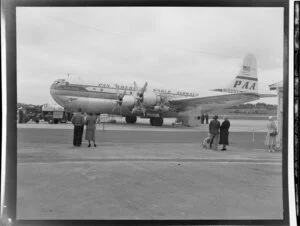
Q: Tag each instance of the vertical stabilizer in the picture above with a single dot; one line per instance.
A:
(246, 80)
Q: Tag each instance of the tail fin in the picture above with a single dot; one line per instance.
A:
(246, 80)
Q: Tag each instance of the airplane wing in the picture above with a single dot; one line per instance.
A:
(184, 103)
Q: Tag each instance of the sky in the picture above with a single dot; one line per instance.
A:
(192, 49)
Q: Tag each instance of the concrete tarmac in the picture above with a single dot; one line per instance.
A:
(237, 125)
(150, 173)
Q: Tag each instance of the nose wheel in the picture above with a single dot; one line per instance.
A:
(156, 121)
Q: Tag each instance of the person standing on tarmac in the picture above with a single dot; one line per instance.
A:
(78, 122)
(270, 140)
(90, 123)
(214, 127)
(206, 118)
(224, 133)
(202, 118)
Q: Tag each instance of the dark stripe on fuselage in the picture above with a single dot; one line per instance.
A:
(85, 93)
(248, 78)
(81, 91)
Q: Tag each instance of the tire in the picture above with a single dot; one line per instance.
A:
(63, 121)
(37, 121)
(151, 122)
(156, 121)
(50, 121)
(131, 119)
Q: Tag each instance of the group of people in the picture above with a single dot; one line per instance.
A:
(78, 120)
(218, 133)
(204, 117)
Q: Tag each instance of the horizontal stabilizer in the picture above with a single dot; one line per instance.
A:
(228, 90)
(266, 95)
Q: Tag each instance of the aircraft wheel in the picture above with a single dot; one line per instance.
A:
(131, 119)
(151, 122)
(160, 121)
(156, 121)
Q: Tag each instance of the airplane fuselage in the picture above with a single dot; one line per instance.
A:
(156, 104)
(102, 99)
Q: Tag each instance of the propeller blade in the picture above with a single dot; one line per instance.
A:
(135, 86)
(117, 105)
(113, 110)
(144, 88)
(117, 88)
(139, 97)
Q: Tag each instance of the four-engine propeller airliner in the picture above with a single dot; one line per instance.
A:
(156, 104)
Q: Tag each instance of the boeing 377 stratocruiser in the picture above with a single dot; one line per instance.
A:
(132, 101)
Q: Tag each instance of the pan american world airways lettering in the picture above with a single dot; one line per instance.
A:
(131, 88)
(244, 85)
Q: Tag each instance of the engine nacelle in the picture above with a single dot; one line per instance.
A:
(161, 108)
(137, 111)
(150, 99)
(128, 101)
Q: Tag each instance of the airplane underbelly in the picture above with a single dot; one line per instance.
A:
(87, 104)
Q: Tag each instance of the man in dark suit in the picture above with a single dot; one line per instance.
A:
(202, 118)
(214, 131)
(78, 122)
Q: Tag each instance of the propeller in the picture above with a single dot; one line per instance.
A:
(139, 97)
(161, 106)
(119, 101)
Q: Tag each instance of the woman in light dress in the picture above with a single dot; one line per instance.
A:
(90, 128)
(270, 141)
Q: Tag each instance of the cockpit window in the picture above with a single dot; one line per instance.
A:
(60, 83)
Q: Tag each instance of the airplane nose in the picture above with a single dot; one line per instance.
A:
(55, 95)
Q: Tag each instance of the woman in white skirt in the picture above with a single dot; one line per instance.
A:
(270, 141)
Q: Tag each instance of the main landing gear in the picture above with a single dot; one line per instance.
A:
(130, 119)
(153, 121)
(156, 121)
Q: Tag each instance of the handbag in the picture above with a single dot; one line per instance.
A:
(273, 134)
